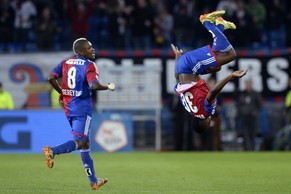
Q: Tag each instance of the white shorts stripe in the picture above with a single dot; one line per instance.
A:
(87, 125)
(204, 62)
(85, 150)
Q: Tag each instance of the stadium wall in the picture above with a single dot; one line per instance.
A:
(28, 131)
(270, 71)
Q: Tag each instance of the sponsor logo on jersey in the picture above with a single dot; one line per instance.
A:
(75, 62)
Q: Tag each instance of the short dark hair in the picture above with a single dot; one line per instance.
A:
(77, 44)
(200, 125)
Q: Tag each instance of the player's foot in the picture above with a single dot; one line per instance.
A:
(49, 156)
(211, 17)
(99, 183)
(226, 24)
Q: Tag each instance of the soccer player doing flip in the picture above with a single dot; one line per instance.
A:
(193, 91)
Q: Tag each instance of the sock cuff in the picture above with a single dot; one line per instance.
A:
(85, 150)
(227, 48)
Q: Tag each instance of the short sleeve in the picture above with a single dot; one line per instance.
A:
(210, 106)
(57, 71)
(92, 73)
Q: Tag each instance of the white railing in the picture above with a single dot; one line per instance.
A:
(138, 88)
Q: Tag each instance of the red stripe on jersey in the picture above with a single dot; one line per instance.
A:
(92, 73)
(213, 54)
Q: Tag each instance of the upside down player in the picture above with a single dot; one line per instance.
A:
(194, 93)
(79, 76)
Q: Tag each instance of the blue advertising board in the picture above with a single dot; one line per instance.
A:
(28, 131)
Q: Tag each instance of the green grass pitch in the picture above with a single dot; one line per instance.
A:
(151, 172)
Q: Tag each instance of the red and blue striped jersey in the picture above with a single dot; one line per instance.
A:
(193, 98)
(77, 75)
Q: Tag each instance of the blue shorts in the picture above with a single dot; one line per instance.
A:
(80, 127)
(198, 61)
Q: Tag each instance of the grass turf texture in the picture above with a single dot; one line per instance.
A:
(151, 172)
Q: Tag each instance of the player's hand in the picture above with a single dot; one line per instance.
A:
(178, 52)
(111, 86)
(239, 73)
(61, 101)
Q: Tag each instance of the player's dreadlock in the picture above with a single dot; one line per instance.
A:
(77, 44)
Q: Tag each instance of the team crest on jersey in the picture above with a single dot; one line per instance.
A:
(75, 62)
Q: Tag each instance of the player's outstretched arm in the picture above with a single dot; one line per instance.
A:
(218, 87)
(97, 86)
(178, 53)
(239, 73)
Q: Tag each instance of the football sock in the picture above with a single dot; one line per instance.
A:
(220, 42)
(67, 147)
(220, 27)
(88, 165)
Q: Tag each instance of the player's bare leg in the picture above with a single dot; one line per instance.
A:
(49, 156)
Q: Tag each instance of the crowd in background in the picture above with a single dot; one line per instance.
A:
(45, 25)
(52, 25)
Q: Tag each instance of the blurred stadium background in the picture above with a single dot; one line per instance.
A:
(132, 40)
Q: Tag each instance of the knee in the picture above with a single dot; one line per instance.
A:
(232, 54)
(82, 144)
(86, 145)
(226, 57)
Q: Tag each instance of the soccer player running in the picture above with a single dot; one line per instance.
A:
(79, 76)
(194, 93)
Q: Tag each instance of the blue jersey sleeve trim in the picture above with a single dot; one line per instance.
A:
(210, 107)
(54, 74)
(94, 82)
